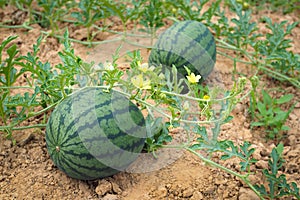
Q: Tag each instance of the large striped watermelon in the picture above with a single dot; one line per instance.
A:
(186, 43)
(94, 134)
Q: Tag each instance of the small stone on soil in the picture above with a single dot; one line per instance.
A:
(197, 196)
(187, 193)
(247, 194)
(103, 187)
(110, 197)
(261, 164)
(116, 188)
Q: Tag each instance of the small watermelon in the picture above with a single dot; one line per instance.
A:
(94, 134)
(186, 43)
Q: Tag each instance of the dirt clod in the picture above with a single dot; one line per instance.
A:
(197, 196)
(103, 187)
(261, 164)
(187, 193)
(246, 194)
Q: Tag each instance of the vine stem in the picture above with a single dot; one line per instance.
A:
(255, 62)
(212, 163)
(16, 87)
(291, 80)
(197, 99)
(2, 128)
(166, 115)
(154, 107)
(232, 58)
(24, 25)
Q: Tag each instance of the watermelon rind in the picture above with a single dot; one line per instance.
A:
(94, 134)
(186, 43)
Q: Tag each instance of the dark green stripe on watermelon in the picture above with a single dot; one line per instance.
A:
(93, 134)
(186, 43)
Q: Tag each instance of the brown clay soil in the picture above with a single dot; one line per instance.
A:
(26, 171)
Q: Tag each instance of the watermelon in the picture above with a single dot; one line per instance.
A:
(94, 134)
(186, 43)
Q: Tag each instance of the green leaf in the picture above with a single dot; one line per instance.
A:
(6, 42)
(262, 190)
(257, 124)
(276, 162)
(284, 99)
(278, 119)
(228, 119)
(278, 185)
(164, 138)
(196, 146)
(279, 149)
(201, 130)
(285, 128)
(262, 108)
(156, 126)
(12, 51)
(266, 98)
(78, 16)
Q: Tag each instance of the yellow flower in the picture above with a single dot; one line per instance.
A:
(139, 82)
(145, 67)
(192, 78)
(162, 95)
(246, 5)
(206, 97)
